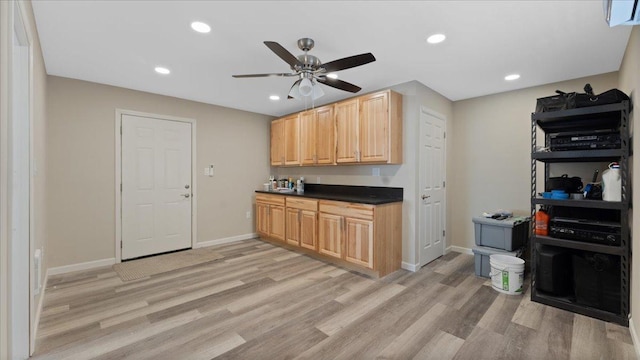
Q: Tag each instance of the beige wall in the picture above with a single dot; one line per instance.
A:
(39, 128)
(81, 158)
(405, 176)
(492, 156)
(630, 84)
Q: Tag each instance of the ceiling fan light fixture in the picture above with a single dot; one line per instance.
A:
(295, 91)
(274, 97)
(332, 76)
(317, 91)
(512, 77)
(305, 87)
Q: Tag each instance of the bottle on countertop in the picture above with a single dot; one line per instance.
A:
(290, 184)
(300, 185)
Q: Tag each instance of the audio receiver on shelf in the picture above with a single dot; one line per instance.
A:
(592, 231)
(585, 140)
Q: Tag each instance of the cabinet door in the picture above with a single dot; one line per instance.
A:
(262, 219)
(330, 234)
(277, 142)
(325, 136)
(346, 118)
(374, 128)
(308, 135)
(293, 226)
(308, 229)
(292, 140)
(276, 222)
(359, 242)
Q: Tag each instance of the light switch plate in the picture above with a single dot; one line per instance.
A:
(206, 171)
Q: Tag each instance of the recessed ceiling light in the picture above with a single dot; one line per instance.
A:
(436, 38)
(162, 70)
(200, 27)
(274, 97)
(512, 77)
(332, 76)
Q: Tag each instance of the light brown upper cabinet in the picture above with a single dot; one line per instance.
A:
(347, 120)
(380, 128)
(277, 142)
(285, 141)
(292, 140)
(317, 141)
(365, 129)
(369, 129)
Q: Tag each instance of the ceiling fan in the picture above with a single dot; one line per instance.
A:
(311, 70)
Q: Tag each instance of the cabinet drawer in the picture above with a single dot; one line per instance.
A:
(270, 199)
(360, 211)
(302, 204)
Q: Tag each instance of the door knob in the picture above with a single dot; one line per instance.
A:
(425, 196)
(186, 195)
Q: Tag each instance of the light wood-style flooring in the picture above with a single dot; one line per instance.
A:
(266, 302)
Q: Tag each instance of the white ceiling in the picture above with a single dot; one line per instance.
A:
(120, 42)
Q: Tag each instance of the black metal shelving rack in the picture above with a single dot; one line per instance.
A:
(595, 116)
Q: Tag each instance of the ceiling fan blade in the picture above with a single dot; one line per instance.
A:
(263, 75)
(284, 54)
(339, 84)
(349, 62)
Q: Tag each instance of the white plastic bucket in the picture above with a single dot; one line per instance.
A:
(507, 273)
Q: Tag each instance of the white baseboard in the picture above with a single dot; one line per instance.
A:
(410, 267)
(634, 337)
(36, 324)
(80, 266)
(459, 249)
(225, 240)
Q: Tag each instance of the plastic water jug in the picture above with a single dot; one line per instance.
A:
(611, 183)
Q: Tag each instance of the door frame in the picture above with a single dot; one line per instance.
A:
(427, 111)
(118, 173)
(16, 296)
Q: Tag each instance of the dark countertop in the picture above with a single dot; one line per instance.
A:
(372, 195)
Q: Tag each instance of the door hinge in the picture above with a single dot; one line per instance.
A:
(444, 184)
(120, 245)
(120, 129)
(444, 135)
(442, 233)
(120, 187)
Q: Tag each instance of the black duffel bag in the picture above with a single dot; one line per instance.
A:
(572, 100)
(564, 182)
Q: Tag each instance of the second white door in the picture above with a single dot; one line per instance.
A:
(156, 186)
(432, 187)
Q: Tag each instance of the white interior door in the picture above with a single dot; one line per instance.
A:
(432, 185)
(156, 186)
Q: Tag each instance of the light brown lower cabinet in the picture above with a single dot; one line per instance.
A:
(363, 237)
(270, 216)
(302, 222)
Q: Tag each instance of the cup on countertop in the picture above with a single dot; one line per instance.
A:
(266, 186)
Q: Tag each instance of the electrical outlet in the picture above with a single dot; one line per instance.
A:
(317, 179)
(249, 214)
(375, 171)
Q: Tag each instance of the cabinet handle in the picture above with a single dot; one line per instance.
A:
(299, 215)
